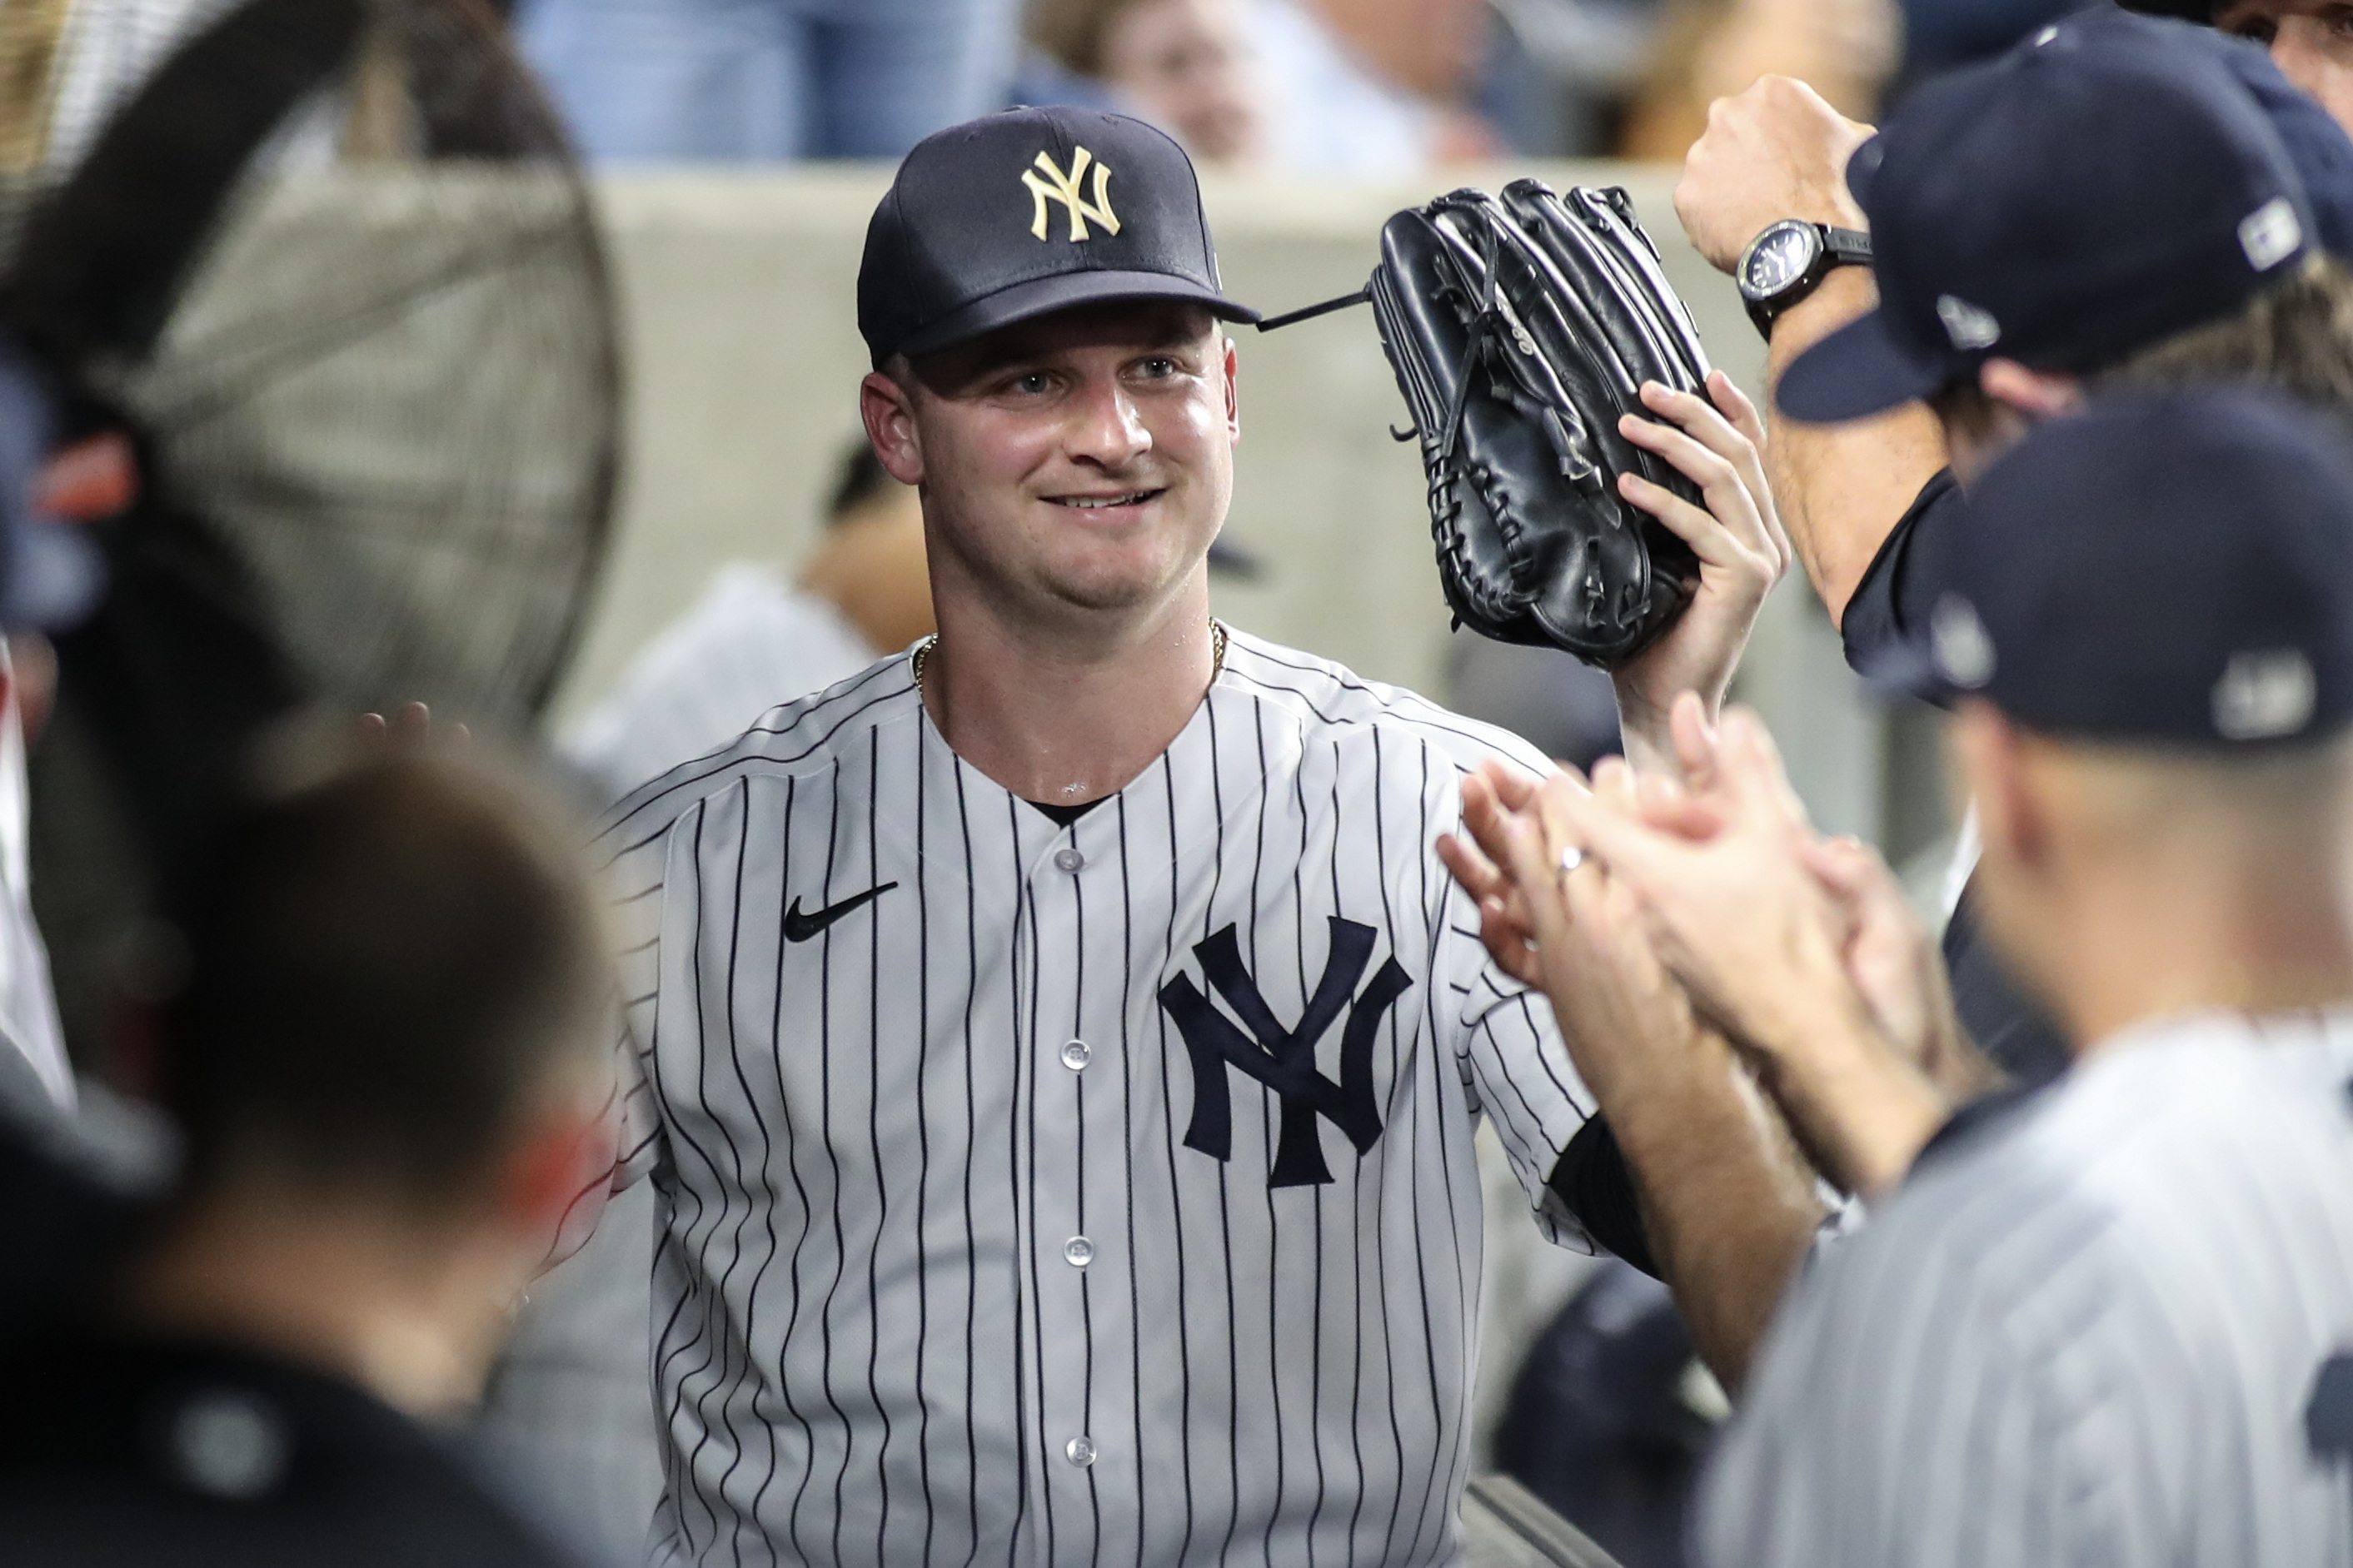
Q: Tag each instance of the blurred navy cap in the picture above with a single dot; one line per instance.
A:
(1020, 214)
(50, 574)
(2093, 192)
(2173, 570)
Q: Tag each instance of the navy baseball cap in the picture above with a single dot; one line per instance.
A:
(2091, 193)
(2172, 570)
(1021, 214)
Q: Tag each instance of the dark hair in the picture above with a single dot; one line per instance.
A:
(2294, 337)
(386, 964)
(861, 479)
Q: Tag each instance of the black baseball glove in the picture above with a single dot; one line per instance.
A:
(1520, 327)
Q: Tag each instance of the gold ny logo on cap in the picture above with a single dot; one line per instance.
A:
(1057, 186)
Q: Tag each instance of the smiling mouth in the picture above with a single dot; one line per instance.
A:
(1102, 503)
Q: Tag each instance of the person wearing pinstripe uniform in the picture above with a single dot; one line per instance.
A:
(1058, 1048)
(2113, 1323)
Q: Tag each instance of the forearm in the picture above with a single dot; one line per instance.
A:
(1644, 738)
(1862, 1112)
(1843, 488)
(1728, 1204)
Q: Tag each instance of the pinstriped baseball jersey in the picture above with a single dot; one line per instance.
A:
(2114, 1328)
(1087, 1193)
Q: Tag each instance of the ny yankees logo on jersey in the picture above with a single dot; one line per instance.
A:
(1284, 1059)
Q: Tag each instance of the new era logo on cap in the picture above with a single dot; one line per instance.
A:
(2271, 234)
(2264, 696)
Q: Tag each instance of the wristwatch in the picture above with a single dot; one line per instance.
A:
(1789, 260)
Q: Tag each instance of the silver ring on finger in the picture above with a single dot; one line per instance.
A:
(1571, 858)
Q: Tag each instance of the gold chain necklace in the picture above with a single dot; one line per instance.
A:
(1217, 652)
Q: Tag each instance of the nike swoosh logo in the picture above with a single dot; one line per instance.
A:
(799, 927)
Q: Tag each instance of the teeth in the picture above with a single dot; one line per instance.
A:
(1095, 503)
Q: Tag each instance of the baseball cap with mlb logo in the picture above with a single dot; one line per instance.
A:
(1019, 215)
(2171, 570)
(2096, 190)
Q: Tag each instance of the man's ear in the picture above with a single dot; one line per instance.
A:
(2039, 395)
(556, 1175)
(1989, 751)
(889, 413)
(1233, 391)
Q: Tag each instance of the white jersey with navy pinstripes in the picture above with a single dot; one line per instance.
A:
(1099, 1193)
(2115, 1329)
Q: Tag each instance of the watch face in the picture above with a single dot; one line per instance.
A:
(1778, 258)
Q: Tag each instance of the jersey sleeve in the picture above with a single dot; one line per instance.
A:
(1512, 1062)
(1900, 585)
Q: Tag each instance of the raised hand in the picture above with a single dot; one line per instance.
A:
(1716, 442)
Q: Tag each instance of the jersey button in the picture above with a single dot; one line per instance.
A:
(1077, 1252)
(1077, 1055)
(1080, 1451)
(1069, 859)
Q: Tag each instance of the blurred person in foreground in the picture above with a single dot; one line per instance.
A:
(1185, 66)
(756, 80)
(387, 1061)
(2118, 203)
(2110, 1323)
(755, 640)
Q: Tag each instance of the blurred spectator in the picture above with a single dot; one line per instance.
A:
(1187, 66)
(1559, 72)
(1373, 89)
(1845, 50)
(755, 640)
(390, 1060)
(683, 81)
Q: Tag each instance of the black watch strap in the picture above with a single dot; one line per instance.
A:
(1841, 248)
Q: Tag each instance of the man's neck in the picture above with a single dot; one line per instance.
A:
(2148, 953)
(412, 1322)
(1066, 719)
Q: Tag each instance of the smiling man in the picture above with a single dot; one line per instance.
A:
(1060, 1046)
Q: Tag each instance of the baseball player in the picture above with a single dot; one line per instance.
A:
(2113, 1321)
(1059, 1046)
(2030, 219)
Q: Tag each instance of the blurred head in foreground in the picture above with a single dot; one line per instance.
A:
(2148, 645)
(387, 1060)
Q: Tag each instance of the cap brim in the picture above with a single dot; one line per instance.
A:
(1044, 296)
(1906, 668)
(1856, 372)
(2198, 11)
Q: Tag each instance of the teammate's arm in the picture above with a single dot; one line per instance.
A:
(1777, 152)
(1727, 1206)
